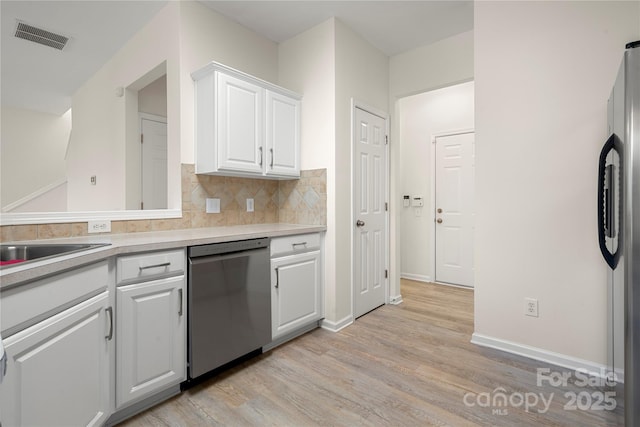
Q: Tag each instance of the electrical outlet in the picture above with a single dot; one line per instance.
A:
(99, 226)
(531, 307)
(249, 205)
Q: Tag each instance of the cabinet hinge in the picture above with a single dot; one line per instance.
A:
(141, 138)
(386, 274)
(141, 205)
(386, 206)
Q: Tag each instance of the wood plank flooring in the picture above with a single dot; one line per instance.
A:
(406, 365)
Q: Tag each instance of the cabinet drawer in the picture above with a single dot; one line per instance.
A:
(150, 265)
(28, 304)
(295, 244)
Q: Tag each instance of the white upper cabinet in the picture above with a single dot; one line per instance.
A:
(283, 135)
(240, 133)
(245, 126)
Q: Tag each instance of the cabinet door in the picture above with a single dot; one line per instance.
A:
(151, 338)
(240, 111)
(58, 369)
(283, 135)
(296, 293)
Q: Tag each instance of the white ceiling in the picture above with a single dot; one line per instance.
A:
(391, 26)
(41, 78)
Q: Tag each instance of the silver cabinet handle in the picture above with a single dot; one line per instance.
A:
(180, 296)
(271, 150)
(277, 277)
(164, 264)
(3, 362)
(109, 311)
(299, 244)
(260, 148)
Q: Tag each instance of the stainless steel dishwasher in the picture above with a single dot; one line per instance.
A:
(229, 298)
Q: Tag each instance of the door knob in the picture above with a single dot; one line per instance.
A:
(359, 223)
(439, 210)
(439, 220)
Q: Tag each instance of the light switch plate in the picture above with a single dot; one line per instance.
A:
(213, 205)
(249, 205)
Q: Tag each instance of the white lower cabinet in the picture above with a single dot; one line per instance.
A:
(151, 338)
(296, 292)
(58, 369)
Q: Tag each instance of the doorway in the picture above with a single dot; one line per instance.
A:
(369, 209)
(153, 138)
(422, 118)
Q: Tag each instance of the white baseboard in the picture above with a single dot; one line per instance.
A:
(336, 326)
(395, 300)
(570, 362)
(416, 277)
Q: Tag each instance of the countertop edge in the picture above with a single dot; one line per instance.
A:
(130, 243)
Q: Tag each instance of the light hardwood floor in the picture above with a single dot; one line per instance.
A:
(405, 365)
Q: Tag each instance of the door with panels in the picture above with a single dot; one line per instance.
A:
(369, 207)
(455, 212)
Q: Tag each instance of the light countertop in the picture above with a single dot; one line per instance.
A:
(120, 244)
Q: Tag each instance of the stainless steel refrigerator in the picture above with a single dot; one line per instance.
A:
(619, 228)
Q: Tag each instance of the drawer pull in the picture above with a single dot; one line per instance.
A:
(164, 264)
(277, 277)
(180, 295)
(299, 244)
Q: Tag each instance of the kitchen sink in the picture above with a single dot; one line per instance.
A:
(13, 254)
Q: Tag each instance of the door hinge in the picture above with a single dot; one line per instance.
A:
(141, 138)
(386, 206)
(141, 205)
(386, 274)
(386, 139)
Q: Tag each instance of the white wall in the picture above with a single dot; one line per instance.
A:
(362, 74)
(33, 151)
(152, 99)
(329, 65)
(99, 130)
(306, 65)
(425, 68)
(207, 36)
(543, 72)
(421, 117)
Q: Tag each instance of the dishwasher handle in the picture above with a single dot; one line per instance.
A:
(225, 256)
(228, 247)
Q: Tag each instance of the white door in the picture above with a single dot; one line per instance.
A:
(369, 209)
(151, 337)
(154, 164)
(283, 135)
(58, 369)
(240, 113)
(455, 214)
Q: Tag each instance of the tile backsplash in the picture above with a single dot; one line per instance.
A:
(297, 201)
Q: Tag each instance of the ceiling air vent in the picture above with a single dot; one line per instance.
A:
(38, 35)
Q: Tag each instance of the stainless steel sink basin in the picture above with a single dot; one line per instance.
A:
(14, 254)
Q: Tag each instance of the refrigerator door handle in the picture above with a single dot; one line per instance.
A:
(606, 198)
